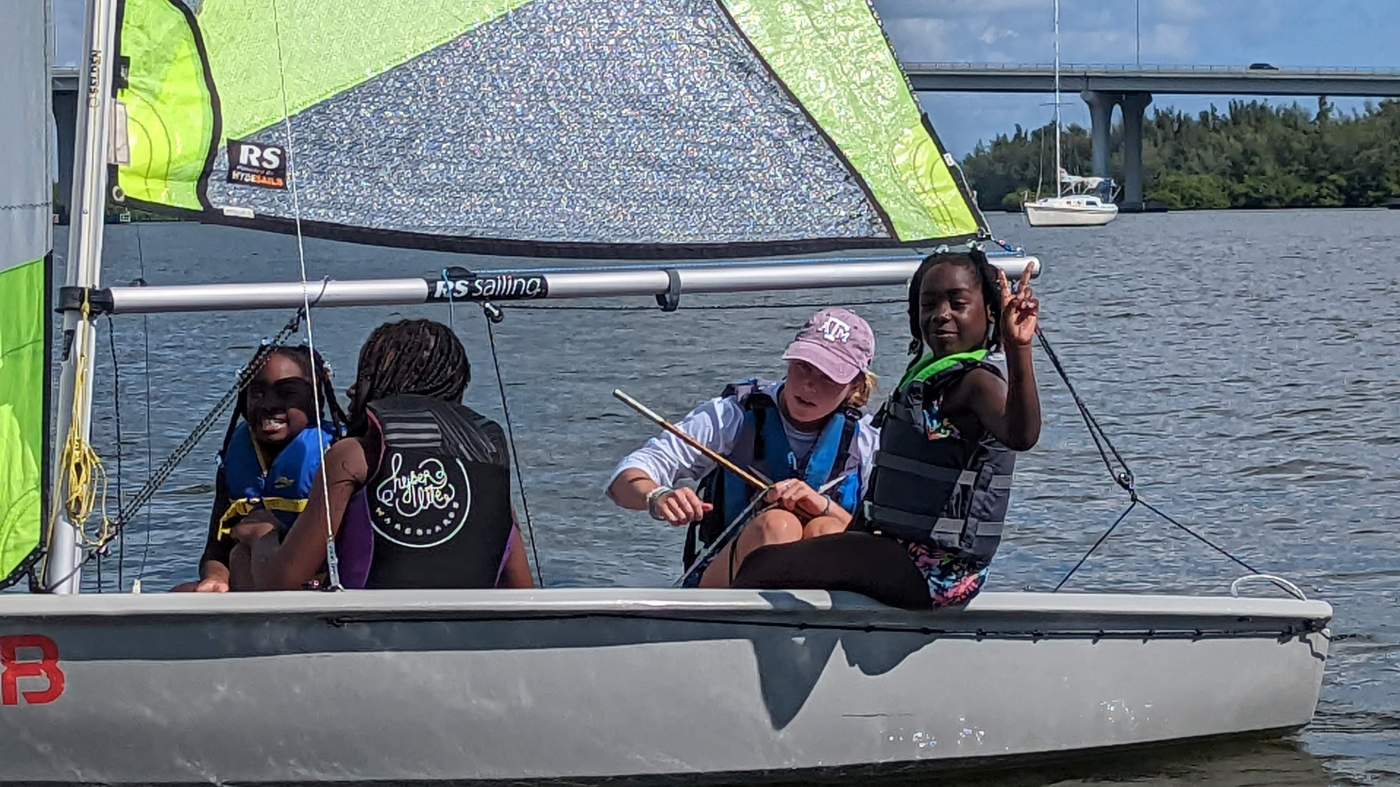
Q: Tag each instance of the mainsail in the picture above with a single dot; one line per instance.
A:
(601, 128)
(26, 226)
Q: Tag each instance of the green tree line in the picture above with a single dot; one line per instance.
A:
(1252, 156)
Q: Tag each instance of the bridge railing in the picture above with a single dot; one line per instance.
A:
(1153, 69)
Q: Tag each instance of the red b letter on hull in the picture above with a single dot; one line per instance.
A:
(16, 666)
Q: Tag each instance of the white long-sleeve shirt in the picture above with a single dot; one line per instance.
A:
(716, 423)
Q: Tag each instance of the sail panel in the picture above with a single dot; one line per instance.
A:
(603, 128)
(478, 161)
(170, 108)
(863, 101)
(26, 210)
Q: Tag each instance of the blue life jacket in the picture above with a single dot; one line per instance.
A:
(282, 488)
(763, 445)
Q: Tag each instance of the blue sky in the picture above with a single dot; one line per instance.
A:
(1173, 32)
(1217, 32)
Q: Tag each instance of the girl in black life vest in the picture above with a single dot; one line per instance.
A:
(417, 495)
(933, 513)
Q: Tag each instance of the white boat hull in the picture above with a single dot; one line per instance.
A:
(1053, 215)
(594, 684)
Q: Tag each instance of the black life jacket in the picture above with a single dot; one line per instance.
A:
(929, 484)
(762, 445)
(436, 511)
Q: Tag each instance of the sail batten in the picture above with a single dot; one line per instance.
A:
(584, 128)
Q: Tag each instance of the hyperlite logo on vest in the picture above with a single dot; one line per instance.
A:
(421, 503)
(255, 164)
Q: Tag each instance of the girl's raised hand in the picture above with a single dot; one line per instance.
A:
(1020, 310)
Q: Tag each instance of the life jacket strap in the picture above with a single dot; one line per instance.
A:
(237, 509)
(946, 530)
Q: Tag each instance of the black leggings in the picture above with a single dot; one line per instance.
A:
(864, 563)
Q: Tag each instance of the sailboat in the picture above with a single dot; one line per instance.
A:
(498, 126)
(1085, 203)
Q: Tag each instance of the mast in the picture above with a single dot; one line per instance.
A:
(84, 269)
(1058, 185)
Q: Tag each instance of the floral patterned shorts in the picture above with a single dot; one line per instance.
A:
(950, 580)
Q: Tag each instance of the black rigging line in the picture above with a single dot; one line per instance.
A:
(143, 496)
(117, 417)
(146, 374)
(1118, 469)
(492, 315)
(510, 435)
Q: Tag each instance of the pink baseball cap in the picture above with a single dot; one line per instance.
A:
(836, 341)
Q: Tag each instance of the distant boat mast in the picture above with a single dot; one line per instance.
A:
(1058, 185)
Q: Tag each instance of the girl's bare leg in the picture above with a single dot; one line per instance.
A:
(774, 526)
(240, 568)
(823, 526)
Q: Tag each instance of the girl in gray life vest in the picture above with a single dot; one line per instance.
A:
(933, 512)
(417, 495)
(804, 433)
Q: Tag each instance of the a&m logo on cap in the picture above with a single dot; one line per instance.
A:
(834, 330)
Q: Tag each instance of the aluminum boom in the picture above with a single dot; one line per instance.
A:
(660, 280)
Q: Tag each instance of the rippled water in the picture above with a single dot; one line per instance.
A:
(1243, 362)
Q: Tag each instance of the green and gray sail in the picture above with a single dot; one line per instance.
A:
(26, 226)
(576, 127)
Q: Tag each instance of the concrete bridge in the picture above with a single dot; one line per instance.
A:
(1131, 87)
(1102, 87)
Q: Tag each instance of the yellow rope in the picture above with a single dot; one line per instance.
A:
(79, 466)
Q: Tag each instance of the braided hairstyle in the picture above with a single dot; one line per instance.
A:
(986, 273)
(313, 367)
(419, 357)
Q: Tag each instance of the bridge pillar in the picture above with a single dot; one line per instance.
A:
(1101, 123)
(1134, 106)
(65, 118)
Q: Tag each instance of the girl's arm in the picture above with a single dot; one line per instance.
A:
(1009, 411)
(294, 562)
(213, 563)
(516, 572)
(665, 460)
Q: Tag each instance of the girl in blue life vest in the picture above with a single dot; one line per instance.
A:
(805, 433)
(272, 452)
(934, 509)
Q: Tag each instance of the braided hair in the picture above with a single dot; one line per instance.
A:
(986, 273)
(312, 366)
(420, 357)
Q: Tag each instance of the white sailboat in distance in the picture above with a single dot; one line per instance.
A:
(1078, 207)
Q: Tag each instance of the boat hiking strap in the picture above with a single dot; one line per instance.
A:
(86, 475)
(1118, 469)
(493, 316)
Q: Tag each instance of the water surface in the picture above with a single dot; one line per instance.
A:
(1243, 362)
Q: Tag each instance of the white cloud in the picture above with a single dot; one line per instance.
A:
(1180, 10)
(1169, 42)
(924, 38)
(993, 34)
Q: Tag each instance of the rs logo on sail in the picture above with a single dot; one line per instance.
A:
(31, 658)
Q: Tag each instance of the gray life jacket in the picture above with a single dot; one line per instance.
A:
(929, 484)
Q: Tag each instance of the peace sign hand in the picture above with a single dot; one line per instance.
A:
(1020, 310)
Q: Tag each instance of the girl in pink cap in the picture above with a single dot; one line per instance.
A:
(805, 433)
